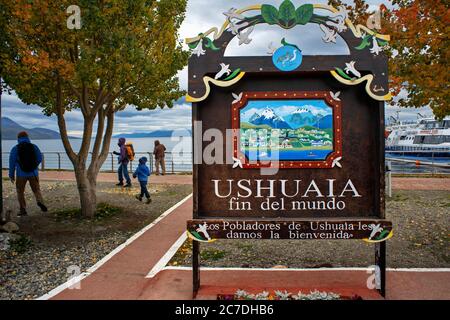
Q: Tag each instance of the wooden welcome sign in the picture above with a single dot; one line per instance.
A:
(301, 152)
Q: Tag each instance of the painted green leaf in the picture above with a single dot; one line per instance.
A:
(287, 12)
(382, 43)
(210, 44)
(304, 14)
(343, 74)
(364, 43)
(382, 234)
(269, 14)
(193, 45)
(233, 75)
(197, 235)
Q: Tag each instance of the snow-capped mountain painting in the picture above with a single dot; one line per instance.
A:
(296, 129)
(268, 117)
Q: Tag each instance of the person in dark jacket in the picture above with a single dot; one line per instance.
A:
(123, 164)
(20, 174)
(142, 173)
(159, 153)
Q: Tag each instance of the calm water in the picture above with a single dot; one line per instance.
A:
(180, 160)
(180, 148)
(287, 155)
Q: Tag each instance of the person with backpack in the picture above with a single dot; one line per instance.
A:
(142, 173)
(159, 151)
(123, 163)
(24, 160)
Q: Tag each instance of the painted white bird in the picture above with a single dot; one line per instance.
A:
(237, 97)
(336, 162)
(235, 28)
(335, 96)
(350, 67)
(375, 229)
(237, 163)
(329, 34)
(232, 14)
(224, 69)
(243, 36)
(203, 228)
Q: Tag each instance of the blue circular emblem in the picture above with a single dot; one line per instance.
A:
(287, 58)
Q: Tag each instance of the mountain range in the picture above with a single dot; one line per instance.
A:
(10, 129)
(297, 119)
(153, 134)
(269, 117)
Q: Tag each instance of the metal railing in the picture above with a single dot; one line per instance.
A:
(175, 162)
(419, 161)
(182, 162)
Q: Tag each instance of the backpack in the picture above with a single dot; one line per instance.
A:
(130, 151)
(26, 157)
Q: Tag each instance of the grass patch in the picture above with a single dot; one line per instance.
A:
(213, 255)
(104, 211)
(398, 197)
(21, 244)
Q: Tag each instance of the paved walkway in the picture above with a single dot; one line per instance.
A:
(397, 182)
(123, 273)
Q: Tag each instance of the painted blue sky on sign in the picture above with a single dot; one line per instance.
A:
(285, 108)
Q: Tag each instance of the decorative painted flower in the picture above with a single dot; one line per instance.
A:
(199, 49)
(376, 49)
(282, 295)
(329, 34)
(350, 67)
(224, 69)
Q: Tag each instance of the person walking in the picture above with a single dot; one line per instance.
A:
(159, 153)
(123, 163)
(142, 173)
(24, 160)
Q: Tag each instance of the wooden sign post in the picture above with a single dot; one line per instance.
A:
(288, 146)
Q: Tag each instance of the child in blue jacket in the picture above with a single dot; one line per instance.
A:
(142, 173)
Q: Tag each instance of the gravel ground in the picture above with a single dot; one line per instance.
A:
(54, 244)
(421, 239)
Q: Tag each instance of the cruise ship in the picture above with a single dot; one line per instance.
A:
(427, 139)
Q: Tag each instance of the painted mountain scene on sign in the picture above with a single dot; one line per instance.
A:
(286, 130)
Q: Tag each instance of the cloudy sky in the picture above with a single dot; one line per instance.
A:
(200, 16)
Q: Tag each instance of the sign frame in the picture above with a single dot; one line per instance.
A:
(372, 70)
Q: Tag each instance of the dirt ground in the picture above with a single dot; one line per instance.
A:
(421, 239)
(52, 242)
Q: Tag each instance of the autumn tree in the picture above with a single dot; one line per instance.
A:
(126, 52)
(419, 53)
(418, 50)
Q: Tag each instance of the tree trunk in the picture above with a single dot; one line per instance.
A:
(87, 177)
(87, 191)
